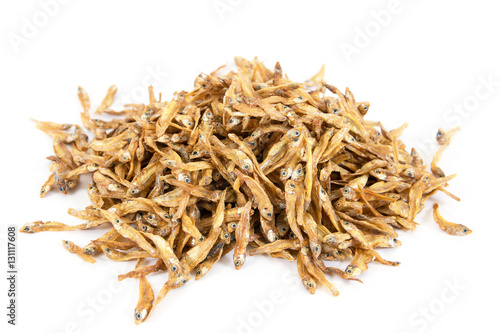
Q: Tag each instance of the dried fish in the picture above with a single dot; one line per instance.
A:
(247, 158)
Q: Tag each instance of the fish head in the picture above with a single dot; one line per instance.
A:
(90, 249)
(247, 165)
(316, 249)
(353, 271)
(31, 227)
(238, 260)
(379, 173)
(200, 272)
(461, 230)
(309, 283)
(225, 237)
(267, 212)
(72, 183)
(285, 173)
(339, 255)
(347, 192)
(272, 236)
(298, 172)
(293, 134)
(282, 229)
(140, 315)
(393, 242)
(125, 157)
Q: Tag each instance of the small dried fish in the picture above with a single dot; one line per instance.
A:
(247, 158)
(450, 228)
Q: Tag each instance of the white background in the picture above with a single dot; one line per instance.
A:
(424, 59)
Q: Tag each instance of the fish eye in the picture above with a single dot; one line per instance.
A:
(26, 228)
(42, 190)
(203, 85)
(292, 235)
(246, 166)
(323, 191)
(308, 247)
(301, 98)
(309, 285)
(184, 281)
(117, 221)
(237, 262)
(133, 191)
(283, 173)
(346, 223)
(198, 272)
(346, 190)
(259, 87)
(61, 189)
(174, 268)
(166, 216)
(144, 228)
(108, 250)
(465, 231)
(394, 240)
(187, 180)
(66, 242)
(195, 152)
(348, 271)
(269, 214)
(316, 248)
(231, 121)
(150, 217)
(138, 316)
(335, 111)
(326, 254)
(171, 216)
(118, 187)
(296, 133)
(283, 229)
(299, 171)
(292, 185)
(226, 236)
(377, 171)
(275, 238)
(234, 225)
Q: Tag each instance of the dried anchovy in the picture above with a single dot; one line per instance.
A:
(247, 158)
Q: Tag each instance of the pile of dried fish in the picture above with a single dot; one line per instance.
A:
(249, 158)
